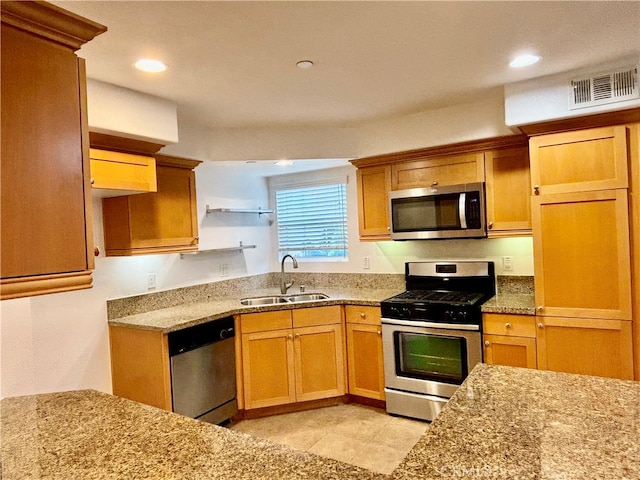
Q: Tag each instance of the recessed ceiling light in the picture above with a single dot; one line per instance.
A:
(284, 163)
(304, 64)
(152, 66)
(524, 60)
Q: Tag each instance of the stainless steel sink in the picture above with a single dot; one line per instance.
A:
(307, 297)
(263, 300)
(273, 299)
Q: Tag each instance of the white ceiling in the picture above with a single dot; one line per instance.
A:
(233, 63)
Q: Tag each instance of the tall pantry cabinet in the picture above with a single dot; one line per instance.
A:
(582, 261)
(45, 191)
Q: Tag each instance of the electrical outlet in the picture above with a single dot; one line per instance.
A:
(507, 264)
(366, 263)
(151, 281)
(224, 270)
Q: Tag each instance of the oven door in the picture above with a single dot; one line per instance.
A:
(422, 358)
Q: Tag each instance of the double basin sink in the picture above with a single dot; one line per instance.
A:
(277, 299)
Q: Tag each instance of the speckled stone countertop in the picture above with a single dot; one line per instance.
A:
(188, 314)
(503, 423)
(515, 296)
(510, 303)
(87, 435)
(515, 423)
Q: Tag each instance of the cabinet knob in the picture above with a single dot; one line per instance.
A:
(540, 308)
(487, 343)
(536, 189)
(363, 315)
(93, 181)
(96, 251)
(541, 325)
(490, 225)
(434, 183)
(507, 325)
(297, 335)
(290, 336)
(379, 332)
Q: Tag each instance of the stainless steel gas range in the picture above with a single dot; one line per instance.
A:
(432, 334)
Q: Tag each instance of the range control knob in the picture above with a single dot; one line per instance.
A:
(394, 311)
(226, 333)
(406, 312)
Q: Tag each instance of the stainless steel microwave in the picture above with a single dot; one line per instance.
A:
(452, 211)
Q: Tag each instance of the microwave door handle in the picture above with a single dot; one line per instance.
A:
(462, 210)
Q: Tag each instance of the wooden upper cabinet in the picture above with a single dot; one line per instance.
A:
(582, 255)
(508, 192)
(161, 222)
(452, 170)
(117, 173)
(46, 224)
(373, 184)
(594, 159)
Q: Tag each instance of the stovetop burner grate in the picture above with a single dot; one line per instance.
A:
(440, 296)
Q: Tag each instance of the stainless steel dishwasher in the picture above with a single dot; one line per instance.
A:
(203, 371)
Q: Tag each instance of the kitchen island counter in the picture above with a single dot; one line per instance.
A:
(516, 423)
(90, 435)
(502, 423)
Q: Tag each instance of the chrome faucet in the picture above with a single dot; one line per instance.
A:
(283, 285)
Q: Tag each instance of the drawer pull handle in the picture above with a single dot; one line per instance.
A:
(363, 315)
(434, 183)
(507, 325)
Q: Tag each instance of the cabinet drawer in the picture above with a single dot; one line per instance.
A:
(362, 314)
(452, 170)
(265, 321)
(307, 317)
(509, 325)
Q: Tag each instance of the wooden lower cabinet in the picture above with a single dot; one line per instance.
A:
(300, 363)
(585, 346)
(509, 340)
(574, 345)
(364, 352)
(510, 351)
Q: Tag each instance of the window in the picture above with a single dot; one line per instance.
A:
(312, 221)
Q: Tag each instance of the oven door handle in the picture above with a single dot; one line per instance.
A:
(411, 323)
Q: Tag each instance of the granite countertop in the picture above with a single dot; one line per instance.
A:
(515, 423)
(518, 304)
(88, 435)
(502, 423)
(189, 314)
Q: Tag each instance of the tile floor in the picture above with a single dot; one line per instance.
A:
(355, 434)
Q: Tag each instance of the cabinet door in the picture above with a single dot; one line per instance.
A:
(46, 208)
(268, 367)
(508, 192)
(319, 367)
(509, 350)
(365, 360)
(451, 170)
(585, 346)
(581, 255)
(122, 173)
(373, 185)
(594, 159)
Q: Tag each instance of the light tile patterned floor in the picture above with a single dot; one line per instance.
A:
(355, 434)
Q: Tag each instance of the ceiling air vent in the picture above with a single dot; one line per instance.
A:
(604, 88)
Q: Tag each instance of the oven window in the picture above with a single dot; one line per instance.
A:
(431, 357)
(437, 212)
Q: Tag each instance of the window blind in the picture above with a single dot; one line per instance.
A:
(312, 221)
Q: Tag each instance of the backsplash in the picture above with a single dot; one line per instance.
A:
(515, 285)
(122, 307)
